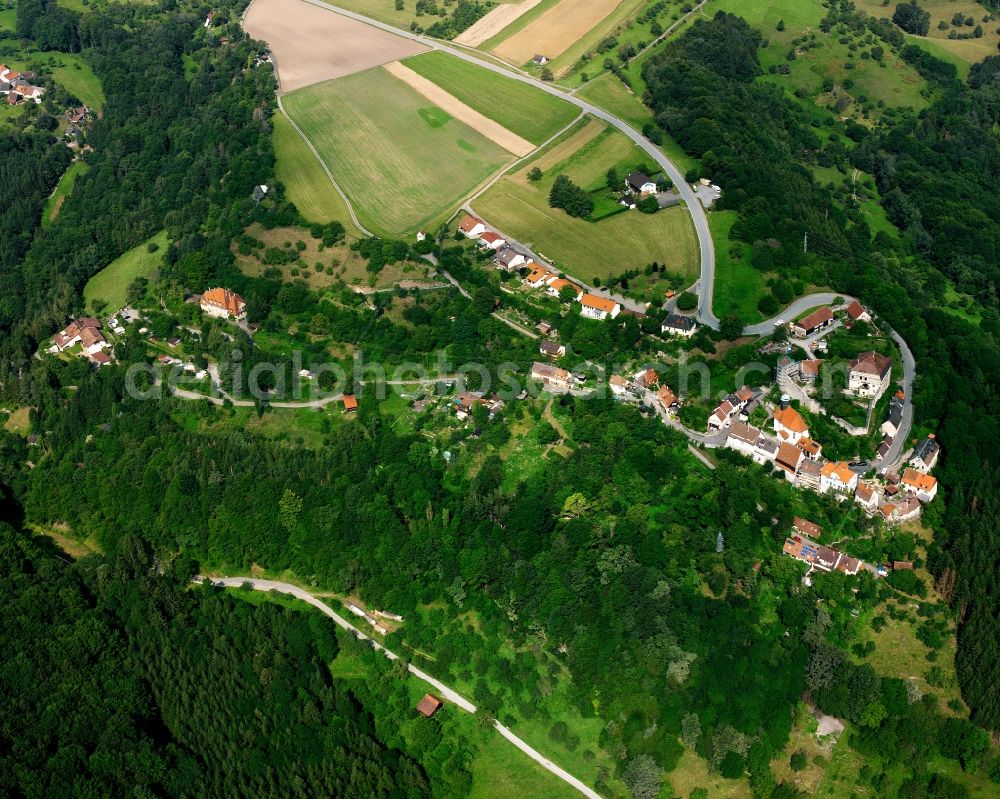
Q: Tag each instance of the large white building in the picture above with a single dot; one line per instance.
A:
(869, 375)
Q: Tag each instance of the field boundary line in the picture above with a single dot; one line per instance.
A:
(333, 181)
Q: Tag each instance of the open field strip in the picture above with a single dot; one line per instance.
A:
(556, 30)
(492, 130)
(403, 163)
(589, 250)
(111, 283)
(63, 189)
(610, 25)
(311, 45)
(522, 109)
(494, 22)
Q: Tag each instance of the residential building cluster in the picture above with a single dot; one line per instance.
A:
(17, 86)
(85, 332)
(801, 545)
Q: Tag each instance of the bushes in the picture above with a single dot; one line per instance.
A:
(571, 198)
(912, 18)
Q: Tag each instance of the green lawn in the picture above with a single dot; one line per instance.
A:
(306, 183)
(111, 282)
(528, 112)
(8, 19)
(627, 240)
(404, 164)
(738, 286)
(63, 190)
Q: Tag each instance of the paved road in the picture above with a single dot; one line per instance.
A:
(447, 693)
(698, 216)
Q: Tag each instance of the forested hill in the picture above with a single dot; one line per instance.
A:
(938, 174)
(124, 683)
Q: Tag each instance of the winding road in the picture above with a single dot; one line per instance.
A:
(443, 690)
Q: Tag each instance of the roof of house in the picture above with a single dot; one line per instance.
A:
(637, 179)
(883, 448)
(429, 705)
(811, 469)
(838, 470)
(809, 446)
(538, 273)
(508, 256)
(100, 357)
(744, 394)
(873, 363)
(224, 298)
(470, 222)
(491, 238)
(724, 410)
(666, 395)
(547, 370)
(895, 415)
(855, 310)
(350, 402)
(818, 317)
(745, 433)
(598, 303)
(926, 449)
(550, 347)
(865, 492)
(790, 419)
(89, 336)
(619, 381)
(810, 367)
(807, 527)
(788, 456)
(649, 377)
(678, 322)
(919, 480)
(559, 284)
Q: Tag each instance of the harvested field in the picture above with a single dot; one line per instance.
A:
(494, 22)
(493, 131)
(555, 30)
(312, 45)
(404, 163)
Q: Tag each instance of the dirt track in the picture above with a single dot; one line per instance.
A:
(313, 45)
(494, 22)
(493, 131)
(555, 30)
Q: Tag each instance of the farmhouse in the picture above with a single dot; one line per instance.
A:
(492, 241)
(817, 320)
(594, 307)
(677, 325)
(551, 349)
(73, 333)
(472, 227)
(925, 455)
(552, 377)
(508, 258)
(640, 182)
(869, 375)
(922, 485)
(837, 476)
(856, 311)
(788, 422)
(556, 286)
(223, 303)
(722, 416)
(666, 397)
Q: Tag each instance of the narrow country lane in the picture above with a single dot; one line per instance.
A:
(447, 693)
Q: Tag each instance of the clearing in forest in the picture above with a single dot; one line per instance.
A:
(311, 44)
(555, 30)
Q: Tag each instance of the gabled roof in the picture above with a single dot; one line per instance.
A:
(224, 298)
(807, 527)
(678, 322)
(838, 470)
(788, 456)
(927, 449)
(790, 419)
(809, 446)
(666, 395)
(469, 223)
(855, 310)
(810, 367)
(745, 433)
(919, 480)
(598, 303)
(637, 179)
(865, 492)
(491, 238)
(872, 363)
(818, 317)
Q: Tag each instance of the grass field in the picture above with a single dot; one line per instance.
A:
(306, 183)
(520, 108)
(738, 286)
(8, 19)
(69, 70)
(589, 249)
(63, 190)
(969, 50)
(111, 283)
(894, 84)
(403, 164)
(18, 421)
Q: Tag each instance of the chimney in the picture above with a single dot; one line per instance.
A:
(785, 399)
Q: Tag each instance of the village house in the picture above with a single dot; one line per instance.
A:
(894, 416)
(647, 378)
(223, 303)
(551, 349)
(869, 375)
(722, 416)
(666, 397)
(788, 459)
(857, 313)
(807, 528)
(73, 334)
(808, 325)
(538, 276)
(837, 476)
(786, 368)
(99, 358)
(904, 510)
(91, 341)
(867, 496)
(492, 241)
(508, 258)
(789, 425)
(350, 403)
(925, 454)
(552, 377)
(640, 182)
(600, 308)
(429, 705)
(472, 227)
(743, 438)
(883, 448)
(810, 447)
(810, 476)
(621, 386)
(809, 370)
(556, 286)
(677, 325)
(922, 485)
(767, 448)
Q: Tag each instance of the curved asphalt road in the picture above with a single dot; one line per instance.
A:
(450, 695)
